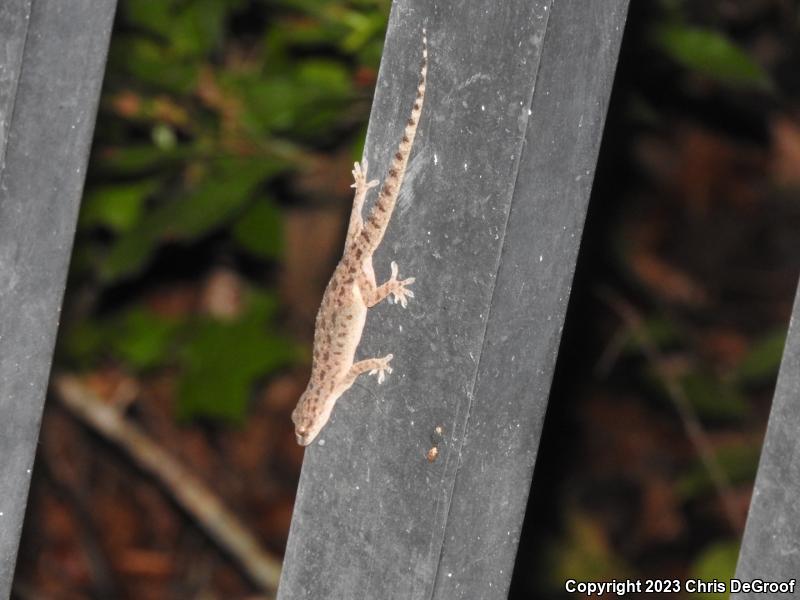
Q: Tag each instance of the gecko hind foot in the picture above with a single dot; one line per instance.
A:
(399, 292)
(382, 367)
(360, 177)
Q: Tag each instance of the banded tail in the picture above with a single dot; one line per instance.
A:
(375, 225)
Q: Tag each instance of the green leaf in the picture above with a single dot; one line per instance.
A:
(198, 28)
(138, 337)
(117, 207)
(324, 76)
(154, 16)
(129, 254)
(211, 203)
(306, 101)
(712, 398)
(365, 27)
(221, 361)
(661, 331)
(136, 159)
(141, 338)
(583, 553)
(82, 344)
(739, 463)
(271, 104)
(762, 362)
(153, 63)
(711, 54)
(260, 231)
(716, 562)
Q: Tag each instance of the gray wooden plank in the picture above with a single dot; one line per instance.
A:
(370, 511)
(489, 222)
(49, 131)
(771, 544)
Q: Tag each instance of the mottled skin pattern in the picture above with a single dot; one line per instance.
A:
(353, 289)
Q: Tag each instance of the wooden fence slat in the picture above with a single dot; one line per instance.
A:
(489, 223)
(771, 544)
(52, 60)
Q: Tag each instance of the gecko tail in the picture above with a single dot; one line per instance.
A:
(375, 225)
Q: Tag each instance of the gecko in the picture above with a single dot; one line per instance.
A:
(353, 289)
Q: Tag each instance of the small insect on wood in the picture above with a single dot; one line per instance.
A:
(432, 454)
(353, 289)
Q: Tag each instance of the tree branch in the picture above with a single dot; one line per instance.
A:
(186, 489)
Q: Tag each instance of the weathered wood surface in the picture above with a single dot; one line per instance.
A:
(52, 57)
(489, 222)
(771, 545)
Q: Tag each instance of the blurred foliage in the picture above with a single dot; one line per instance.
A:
(583, 554)
(713, 399)
(739, 464)
(710, 54)
(717, 562)
(220, 360)
(763, 359)
(698, 67)
(209, 108)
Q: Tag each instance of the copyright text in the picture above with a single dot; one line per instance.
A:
(622, 587)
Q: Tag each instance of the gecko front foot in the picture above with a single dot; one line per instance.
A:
(397, 288)
(381, 367)
(360, 176)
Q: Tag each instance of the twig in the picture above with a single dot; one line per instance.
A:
(691, 422)
(186, 489)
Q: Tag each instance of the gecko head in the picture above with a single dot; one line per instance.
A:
(307, 422)
(304, 435)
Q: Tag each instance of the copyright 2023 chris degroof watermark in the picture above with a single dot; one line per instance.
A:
(623, 587)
